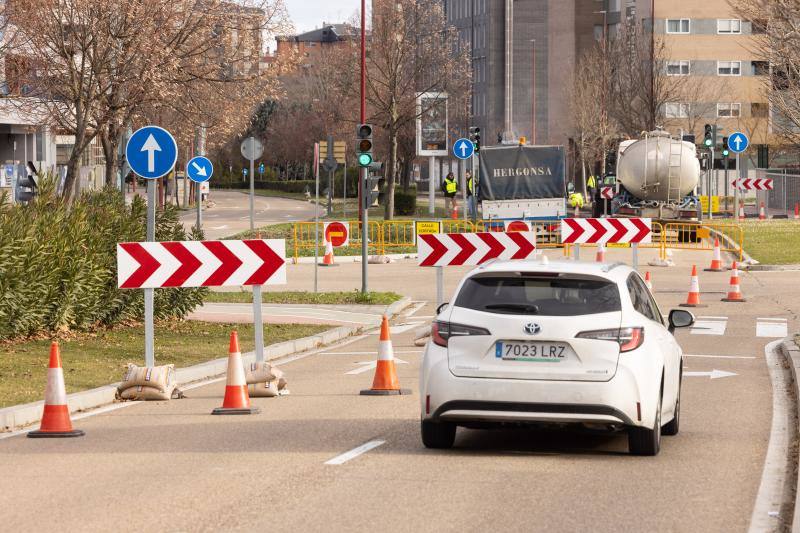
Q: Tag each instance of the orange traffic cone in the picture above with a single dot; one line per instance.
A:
(797, 211)
(716, 262)
(741, 210)
(385, 381)
(734, 293)
(327, 259)
(454, 212)
(694, 291)
(600, 257)
(237, 401)
(761, 214)
(647, 281)
(55, 419)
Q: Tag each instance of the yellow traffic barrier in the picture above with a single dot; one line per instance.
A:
(700, 236)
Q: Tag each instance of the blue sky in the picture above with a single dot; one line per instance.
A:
(309, 14)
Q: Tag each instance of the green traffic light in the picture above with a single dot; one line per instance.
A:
(364, 160)
(708, 142)
(725, 153)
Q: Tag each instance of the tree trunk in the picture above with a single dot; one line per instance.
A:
(391, 174)
(108, 140)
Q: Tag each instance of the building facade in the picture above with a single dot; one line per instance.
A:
(308, 45)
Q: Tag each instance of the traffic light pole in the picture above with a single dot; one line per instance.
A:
(708, 181)
(364, 228)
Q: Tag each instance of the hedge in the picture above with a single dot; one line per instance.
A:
(58, 263)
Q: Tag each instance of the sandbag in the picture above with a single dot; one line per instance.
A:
(263, 390)
(261, 373)
(140, 392)
(158, 377)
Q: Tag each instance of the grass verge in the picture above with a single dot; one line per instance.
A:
(297, 297)
(93, 360)
(772, 242)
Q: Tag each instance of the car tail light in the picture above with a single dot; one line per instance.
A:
(628, 338)
(441, 332)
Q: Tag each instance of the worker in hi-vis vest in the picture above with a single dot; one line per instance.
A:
(472, 197)
(450, 189)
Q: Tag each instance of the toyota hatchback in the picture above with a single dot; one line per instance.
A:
(531, 342)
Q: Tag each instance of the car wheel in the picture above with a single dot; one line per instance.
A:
(671, 428)
(644, 441)
(438, 434)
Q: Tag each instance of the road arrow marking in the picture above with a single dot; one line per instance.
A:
(369, 365)
(151, 147)
(201, 171)
(714, 374)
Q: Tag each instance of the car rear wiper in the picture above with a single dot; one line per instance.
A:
(528, 308)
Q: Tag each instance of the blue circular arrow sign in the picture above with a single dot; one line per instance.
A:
(199, 169)
(738, 142)
(463, 148)
(151, 152)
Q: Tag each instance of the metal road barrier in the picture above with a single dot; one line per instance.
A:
(397, 236)
(700, 236)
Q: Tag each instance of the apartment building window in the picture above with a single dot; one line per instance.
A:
(729, 110)
(760, 68)
(676, 110)
(729, 26)
(678, 68)
(729, 68)
(598, 32)
(677, 25)
(759, 110)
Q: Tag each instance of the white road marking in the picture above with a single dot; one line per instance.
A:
(709, 327)
(714, 374)
(355, 452)
(772, 327)
(370, 353)
(399, 329)
(417, 306)
(369, 365)
(722, 356)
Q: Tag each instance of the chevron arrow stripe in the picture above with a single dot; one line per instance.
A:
(754, 184)
(454, 249)
(201, 263)
(605, 230)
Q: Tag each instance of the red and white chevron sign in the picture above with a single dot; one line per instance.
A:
(605, 230)
(607, 193)
(453, 249)
(753, 184)
(146, 265)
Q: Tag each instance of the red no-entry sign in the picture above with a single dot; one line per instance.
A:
(517, 225)
(337, 233)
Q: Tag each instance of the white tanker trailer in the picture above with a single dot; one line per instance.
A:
(658, 175)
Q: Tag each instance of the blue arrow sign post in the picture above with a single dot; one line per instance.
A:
(151, 153)
(199, 169)
(463, 149)
(738, 143)
(261, 171)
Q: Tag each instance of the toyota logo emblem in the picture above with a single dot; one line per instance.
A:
(532, 328)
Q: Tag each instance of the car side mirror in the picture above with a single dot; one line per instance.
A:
(680, 318)
(442, 308)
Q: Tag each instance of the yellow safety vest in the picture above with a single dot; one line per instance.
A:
(469, 186)
(591, 183)
(450, 185)
(576, 199)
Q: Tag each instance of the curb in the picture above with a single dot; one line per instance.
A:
(349, 258)
(791, 351)
(772, 268)
(18, 416)
(747, 262)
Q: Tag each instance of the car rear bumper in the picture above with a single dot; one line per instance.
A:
(628, 398)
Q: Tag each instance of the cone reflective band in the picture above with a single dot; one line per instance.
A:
(761, 214)
(327, 259)
(716, 262)
(237, 400)
(600, 257)
(56, 422)
(693, 299)
(385, 381)
(734, 292)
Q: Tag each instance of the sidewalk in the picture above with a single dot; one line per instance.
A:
(339, 315)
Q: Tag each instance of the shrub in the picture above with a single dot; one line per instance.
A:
(405, 203)
(58, 263)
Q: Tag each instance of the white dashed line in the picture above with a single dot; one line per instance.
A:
(355, 452)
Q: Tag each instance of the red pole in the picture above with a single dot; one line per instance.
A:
(363, 91)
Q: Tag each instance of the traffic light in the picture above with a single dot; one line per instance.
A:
(475, 137)
(364, 145)
(25, 189)
(374, 178)
(708, 136)
(725, 151)
(611, 163)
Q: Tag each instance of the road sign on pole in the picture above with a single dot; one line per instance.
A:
(252, 149)
(199, 169)
(151, 152)
(738, 142)
(456, 249)
(605, 230)
(463, 148)
(337, 233)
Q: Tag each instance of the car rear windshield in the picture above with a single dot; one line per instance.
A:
(549, 296)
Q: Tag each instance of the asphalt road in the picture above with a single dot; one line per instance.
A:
(231, 213)
(175, 467)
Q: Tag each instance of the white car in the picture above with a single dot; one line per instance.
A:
(563, 342)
